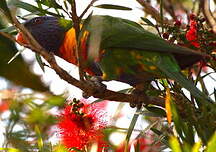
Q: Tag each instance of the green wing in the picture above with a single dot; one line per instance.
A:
(122, 33)
(117, 33)
(168, 67)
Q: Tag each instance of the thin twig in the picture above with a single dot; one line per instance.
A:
(76, 22)
(169, 7)
(153, 12)
(87, 8)
(208, 15)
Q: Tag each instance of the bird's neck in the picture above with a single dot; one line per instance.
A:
(68, 48)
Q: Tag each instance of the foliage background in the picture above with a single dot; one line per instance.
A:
(34, 110)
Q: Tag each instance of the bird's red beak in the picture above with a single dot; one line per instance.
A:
(20, 38)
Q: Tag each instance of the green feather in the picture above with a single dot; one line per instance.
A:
(66, 24)
(122, 33)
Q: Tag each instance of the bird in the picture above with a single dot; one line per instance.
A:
(17, 72)
(116, 49)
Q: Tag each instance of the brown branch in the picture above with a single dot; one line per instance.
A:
(153, 12)
(208, 15)
(83, 85)
(76, 22)
(169, 8)
(87, 8)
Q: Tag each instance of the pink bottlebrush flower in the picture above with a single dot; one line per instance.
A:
(81, 125)
(142, 144)
(145, 144)
(192, 35)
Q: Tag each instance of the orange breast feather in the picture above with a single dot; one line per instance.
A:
(68, 49)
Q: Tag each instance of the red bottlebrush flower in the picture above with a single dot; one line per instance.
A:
(166, 36)
(81, 125)
(191, 34)
(4, 105)
(192, 16)
(177, 23)
(145, 144)
(121, 147)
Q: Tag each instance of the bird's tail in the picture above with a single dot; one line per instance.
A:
(177, 76)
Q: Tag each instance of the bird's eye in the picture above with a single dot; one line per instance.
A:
(37, 21)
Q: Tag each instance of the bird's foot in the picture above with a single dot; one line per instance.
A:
(97, 86)
(138, 103)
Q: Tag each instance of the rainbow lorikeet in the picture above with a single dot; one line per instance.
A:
(124, 50)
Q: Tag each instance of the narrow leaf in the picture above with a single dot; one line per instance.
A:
(116, 7)
(211, 146)
(147, 21)
(8, 29)
(215, 94)
(174, 144)
(32, 8)
(14, 57)
(40, 62)
(39, 140)
(50, 3)
(156, 111)
(10, 149)
(131, 127)
(167, 106)
(5, 10)
(161, 14)
(196, 146)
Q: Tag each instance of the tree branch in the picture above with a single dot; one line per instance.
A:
(76, 22)
(208, 15)
(87, 8)
(153, 12)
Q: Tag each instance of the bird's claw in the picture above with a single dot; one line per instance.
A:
(137, 103)
(97, 86)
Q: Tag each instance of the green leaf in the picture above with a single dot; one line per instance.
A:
(131, 127)
(158, 111)
(211, 146)
(8, 29)
(151, 125)
(147, 21)
(196, 146)
(56, 100)
(215, 94)
(5, 10)
(10, 149)
(70, 1)
(164, 138)
(40, 62)
(161, 14)
(49, 3)
(174, 144)
(15, 56)
(26, 6)
(156, 131)
(184, 130)
(60, 148)
(75, 149)
(116, 7)
(39, 140)
(32, 8)
(177, 121)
